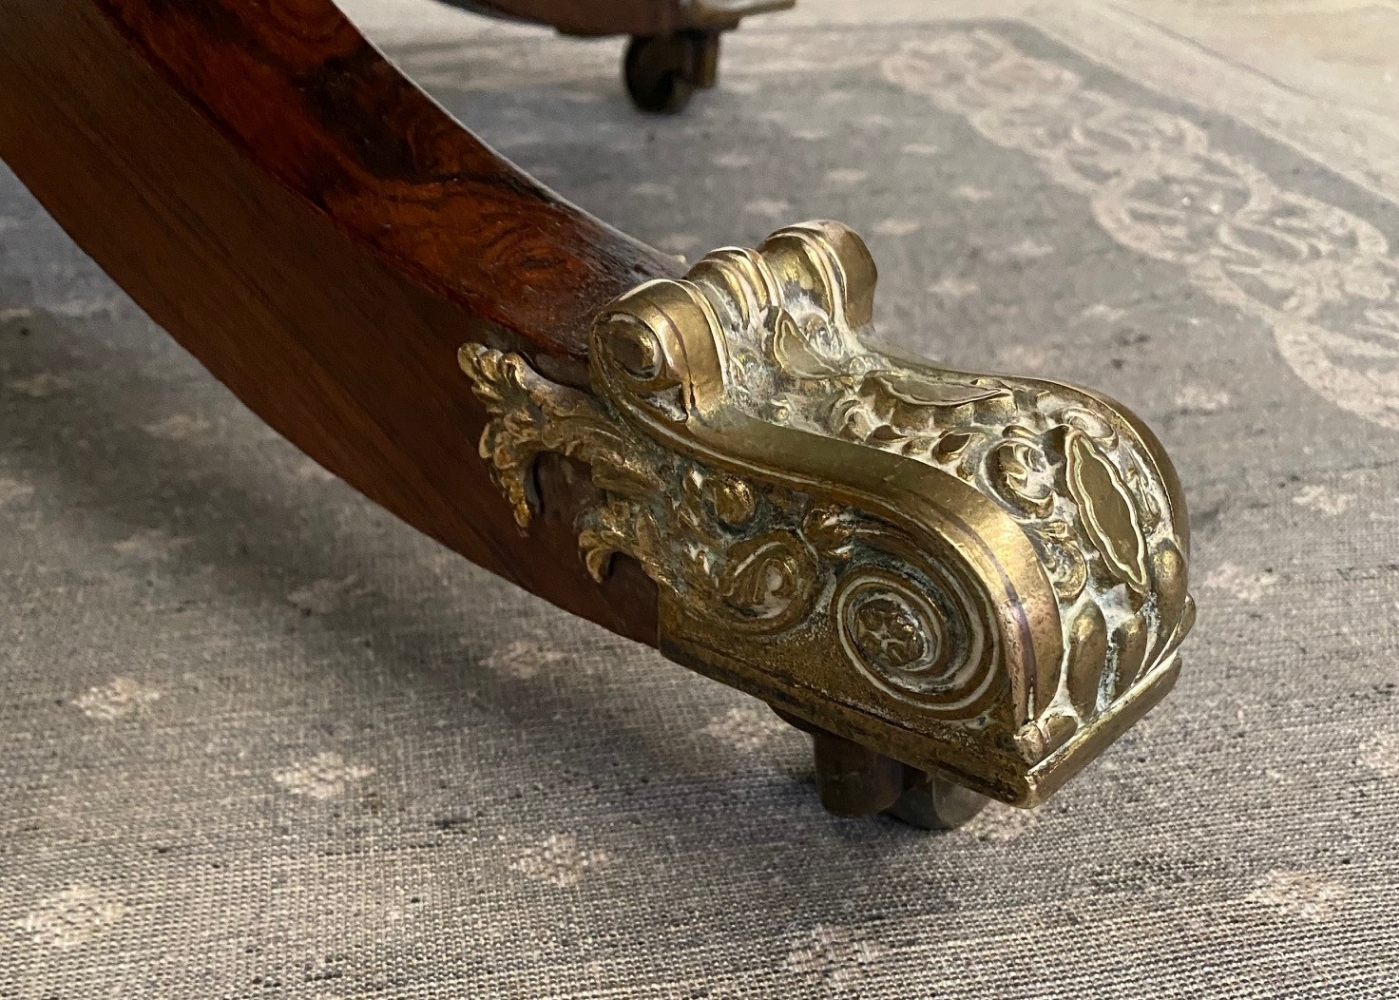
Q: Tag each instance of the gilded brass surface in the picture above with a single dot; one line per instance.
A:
(979, 575)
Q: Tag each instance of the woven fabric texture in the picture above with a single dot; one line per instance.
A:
(258, 739)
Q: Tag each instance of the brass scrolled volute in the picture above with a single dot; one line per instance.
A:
(981, 576)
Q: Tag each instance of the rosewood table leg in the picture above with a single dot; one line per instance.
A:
(980, 577)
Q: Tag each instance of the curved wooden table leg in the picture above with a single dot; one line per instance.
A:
(982, 577)
(322, 236)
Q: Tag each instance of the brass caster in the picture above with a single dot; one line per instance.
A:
(853, 780)
(977, 577)
(662, 71)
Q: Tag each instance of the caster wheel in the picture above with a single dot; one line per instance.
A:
(662, 71)
(856, 781)
(655, 75)
(935, 804)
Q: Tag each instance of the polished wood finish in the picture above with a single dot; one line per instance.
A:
(323, 237)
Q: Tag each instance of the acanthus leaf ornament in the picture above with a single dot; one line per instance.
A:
(981, 576)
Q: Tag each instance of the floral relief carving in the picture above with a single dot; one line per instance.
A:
(737, 426)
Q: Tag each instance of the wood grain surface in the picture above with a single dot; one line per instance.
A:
(322, 236)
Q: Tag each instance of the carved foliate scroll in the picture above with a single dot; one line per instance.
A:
(979, 575)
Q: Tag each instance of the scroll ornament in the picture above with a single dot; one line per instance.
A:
(980, 575)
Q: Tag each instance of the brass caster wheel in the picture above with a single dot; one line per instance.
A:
(663, 71)
(855, 781)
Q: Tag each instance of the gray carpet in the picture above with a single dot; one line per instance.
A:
(259, 739)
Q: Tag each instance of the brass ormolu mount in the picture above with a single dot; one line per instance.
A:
(979, 576)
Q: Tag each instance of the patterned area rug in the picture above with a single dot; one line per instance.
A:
(259, 739)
